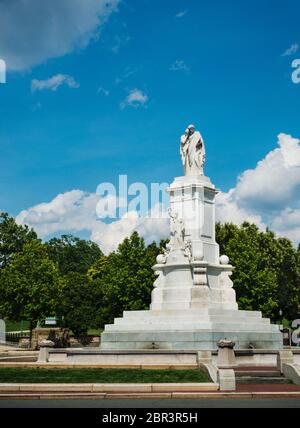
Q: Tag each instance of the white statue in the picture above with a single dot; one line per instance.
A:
(177, 232)
(192, 152)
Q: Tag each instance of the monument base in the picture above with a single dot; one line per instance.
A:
(193, 304)
(199, 329)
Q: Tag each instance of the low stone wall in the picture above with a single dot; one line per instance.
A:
(89, 357)
(93, 357)
(60, 336)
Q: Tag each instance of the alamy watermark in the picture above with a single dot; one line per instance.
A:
(296, 332)
(296, 72)
(2, 71)
(147, 201)
(119, 202)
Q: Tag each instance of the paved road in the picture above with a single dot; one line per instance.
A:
(155, 404)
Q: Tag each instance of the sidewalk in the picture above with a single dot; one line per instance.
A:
(142, 391)
(253, 388)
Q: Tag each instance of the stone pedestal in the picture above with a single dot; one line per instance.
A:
(226, 380)
(226, 356)
(193, 301)
(45, 345)
(284, 357)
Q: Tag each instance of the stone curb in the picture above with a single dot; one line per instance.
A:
(99, 366)
(108, 388)
(113, 396)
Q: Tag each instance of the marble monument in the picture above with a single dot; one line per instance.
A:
(193, 301)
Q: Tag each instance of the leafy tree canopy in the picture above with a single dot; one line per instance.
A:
(125, 277)
(12, 238)
(73, 254)
(81, 303)
(30, 286)
(266, 275)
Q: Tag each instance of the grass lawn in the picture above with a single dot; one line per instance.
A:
(32, 375)
(16, 326)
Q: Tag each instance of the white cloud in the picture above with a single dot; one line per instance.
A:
(287, 223)
(179, 65)
(76, 211)
(291, 50)
(135, 98)
(228, 211)
(181, 14)
(33, 31)
(269, 193)
(103, 91)
(275, 181)
(109, 236)
(54, 82)
(71, 211)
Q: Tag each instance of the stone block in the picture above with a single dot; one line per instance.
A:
(57, 357)
(9, 387)
(138, 396)
(67, 387)
(284, 356)
(184, 387)
(121, 387)
(292, 372)
(226, 380)
(204, 357)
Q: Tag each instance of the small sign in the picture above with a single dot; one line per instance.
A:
(50, 321)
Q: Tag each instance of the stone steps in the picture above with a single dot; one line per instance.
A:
(182, 326)
(185, 339)
(184, 320)
(191, 329)
(194, 318)
(199, 312)
(261, 377)
(260, 380)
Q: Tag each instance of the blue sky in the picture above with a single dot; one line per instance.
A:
(217, 63)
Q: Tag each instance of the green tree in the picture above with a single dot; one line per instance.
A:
(13, 237)
(266, 277)
(30, 286)
(81, 302)
(73, 254)
(125, 278)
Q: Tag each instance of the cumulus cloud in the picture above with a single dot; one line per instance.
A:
(287, 223)
(78, 211)
(71, 212)
(228, 211)
(179, 65)
(109, 236)
(54, 82)
(275, 181)
(33, 31)
(291, 50)
(269, 193)
(136, 98)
